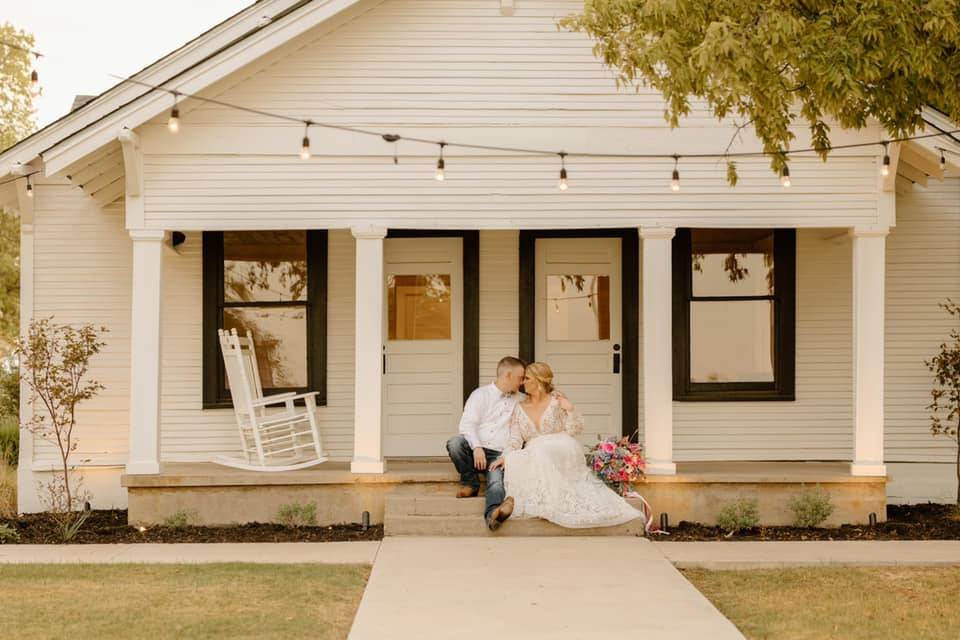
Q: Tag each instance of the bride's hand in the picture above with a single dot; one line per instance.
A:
(498, 463)
(565, 403)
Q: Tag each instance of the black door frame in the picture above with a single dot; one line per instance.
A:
(629, 304)
(471, 297)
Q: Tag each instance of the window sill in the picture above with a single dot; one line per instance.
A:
(740, 395)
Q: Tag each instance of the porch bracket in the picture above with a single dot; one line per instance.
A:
(657, 314)
(869, 263)
(133, 178)
(368, 379)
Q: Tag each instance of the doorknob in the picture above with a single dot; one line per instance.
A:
(616, 358)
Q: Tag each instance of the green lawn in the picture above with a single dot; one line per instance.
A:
(179, 601)
(841, 602)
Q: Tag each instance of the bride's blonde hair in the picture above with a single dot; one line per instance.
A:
(543, 374)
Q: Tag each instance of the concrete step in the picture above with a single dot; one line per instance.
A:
(439, 515)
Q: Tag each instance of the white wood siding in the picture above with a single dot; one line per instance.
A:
(499, 299)
(819, 424)
(460, 70)
(923, 269)
(82, 257)
(189, 433)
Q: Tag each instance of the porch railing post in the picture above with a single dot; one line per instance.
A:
(144, 455)
(869, 266)
(657, 349)
(368, 382)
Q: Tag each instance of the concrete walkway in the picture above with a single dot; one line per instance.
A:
(556, 588)
(760, 555)
(258, 552)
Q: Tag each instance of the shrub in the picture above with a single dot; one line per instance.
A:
(9, 439)
(811, 507)
(9, 392)
(297, 515)
(8, 535)
(182, 518)
(8, 490)
(743, 513)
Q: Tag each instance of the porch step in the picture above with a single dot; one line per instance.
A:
(432, 515)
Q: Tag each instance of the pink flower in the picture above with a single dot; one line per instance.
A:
(607, 447)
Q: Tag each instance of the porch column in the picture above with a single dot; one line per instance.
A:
(144, 456)
(869, 264)
(368, 382)
(657, 280)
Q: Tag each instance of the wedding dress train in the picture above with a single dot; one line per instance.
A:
(549, 477)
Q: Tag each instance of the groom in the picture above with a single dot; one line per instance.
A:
(484, 431)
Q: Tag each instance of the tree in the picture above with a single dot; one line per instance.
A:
(773, 62)
(945, 367)
(16, 101)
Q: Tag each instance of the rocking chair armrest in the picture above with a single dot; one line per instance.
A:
(282, 398)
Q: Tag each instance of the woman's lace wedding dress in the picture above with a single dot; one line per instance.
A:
(549, 477)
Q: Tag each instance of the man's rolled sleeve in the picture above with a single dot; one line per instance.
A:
(472, 412)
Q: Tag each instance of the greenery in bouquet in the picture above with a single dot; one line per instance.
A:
(618, 462)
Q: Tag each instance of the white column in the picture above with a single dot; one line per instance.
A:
(657, 315)
(28, 499)
(869, 265)
(368, 384)
(144, 457)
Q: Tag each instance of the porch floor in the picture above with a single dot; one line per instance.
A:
(208, 474)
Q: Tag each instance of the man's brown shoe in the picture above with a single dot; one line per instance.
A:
(503, 512)
(468, 492)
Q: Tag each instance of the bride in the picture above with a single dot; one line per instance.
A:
(549, 478)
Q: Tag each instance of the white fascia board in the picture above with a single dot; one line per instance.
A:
(102, 106)
(68, 151)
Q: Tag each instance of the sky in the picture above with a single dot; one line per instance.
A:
(84, 42)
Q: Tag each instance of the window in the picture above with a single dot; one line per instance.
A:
(273, 284)
(734, 310)
(578, 307)
(419, 307)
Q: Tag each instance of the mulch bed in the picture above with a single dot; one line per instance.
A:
(908, 522)
(110, 526)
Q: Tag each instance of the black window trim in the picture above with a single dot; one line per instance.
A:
(215, 394)
(783, 388)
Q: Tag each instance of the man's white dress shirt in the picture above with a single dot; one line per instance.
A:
(486, 417)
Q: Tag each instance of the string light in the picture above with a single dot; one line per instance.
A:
(885, 168)
(34, 83)
(34, 75)
(441, 165)
(173, 123)
(943, 161)
(29, 187)
(563, 185)
(305, 145)
(785, 177)
(675, 179)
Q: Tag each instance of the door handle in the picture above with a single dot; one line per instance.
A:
(616, 358)
(384, 372)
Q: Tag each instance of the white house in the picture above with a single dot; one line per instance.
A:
(393, 294)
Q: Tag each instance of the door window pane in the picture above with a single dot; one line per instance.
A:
(732, 262)
(731, 341)
(419, 307)
(264, 266)
(578, 307)
(280, 339)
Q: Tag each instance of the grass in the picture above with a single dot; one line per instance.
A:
(8, 490)
(180, 601)
(842, 602)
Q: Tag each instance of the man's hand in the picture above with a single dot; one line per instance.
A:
(498, 463)
(479, 459)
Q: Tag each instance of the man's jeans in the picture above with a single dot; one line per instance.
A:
(462, 455)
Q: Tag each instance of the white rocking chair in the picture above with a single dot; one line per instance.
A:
(282, 441)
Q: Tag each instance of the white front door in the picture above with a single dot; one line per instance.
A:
(423, 345)
(578, 326)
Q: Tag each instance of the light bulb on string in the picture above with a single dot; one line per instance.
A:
(885, 167)
(29, 187)
(785, 177)
(440, 175)
(943, 161)
(173, 123)
(34, 83)
(563, 185)
(675, 178)
(305, 145)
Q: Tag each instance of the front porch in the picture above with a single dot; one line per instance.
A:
(416, 496)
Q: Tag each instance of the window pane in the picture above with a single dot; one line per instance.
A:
(280, 338)
(731, 341)
(419, 306)
(578, 307)
(732, 262)
(264, 266)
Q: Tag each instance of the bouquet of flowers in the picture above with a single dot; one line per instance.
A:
(618, 463)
